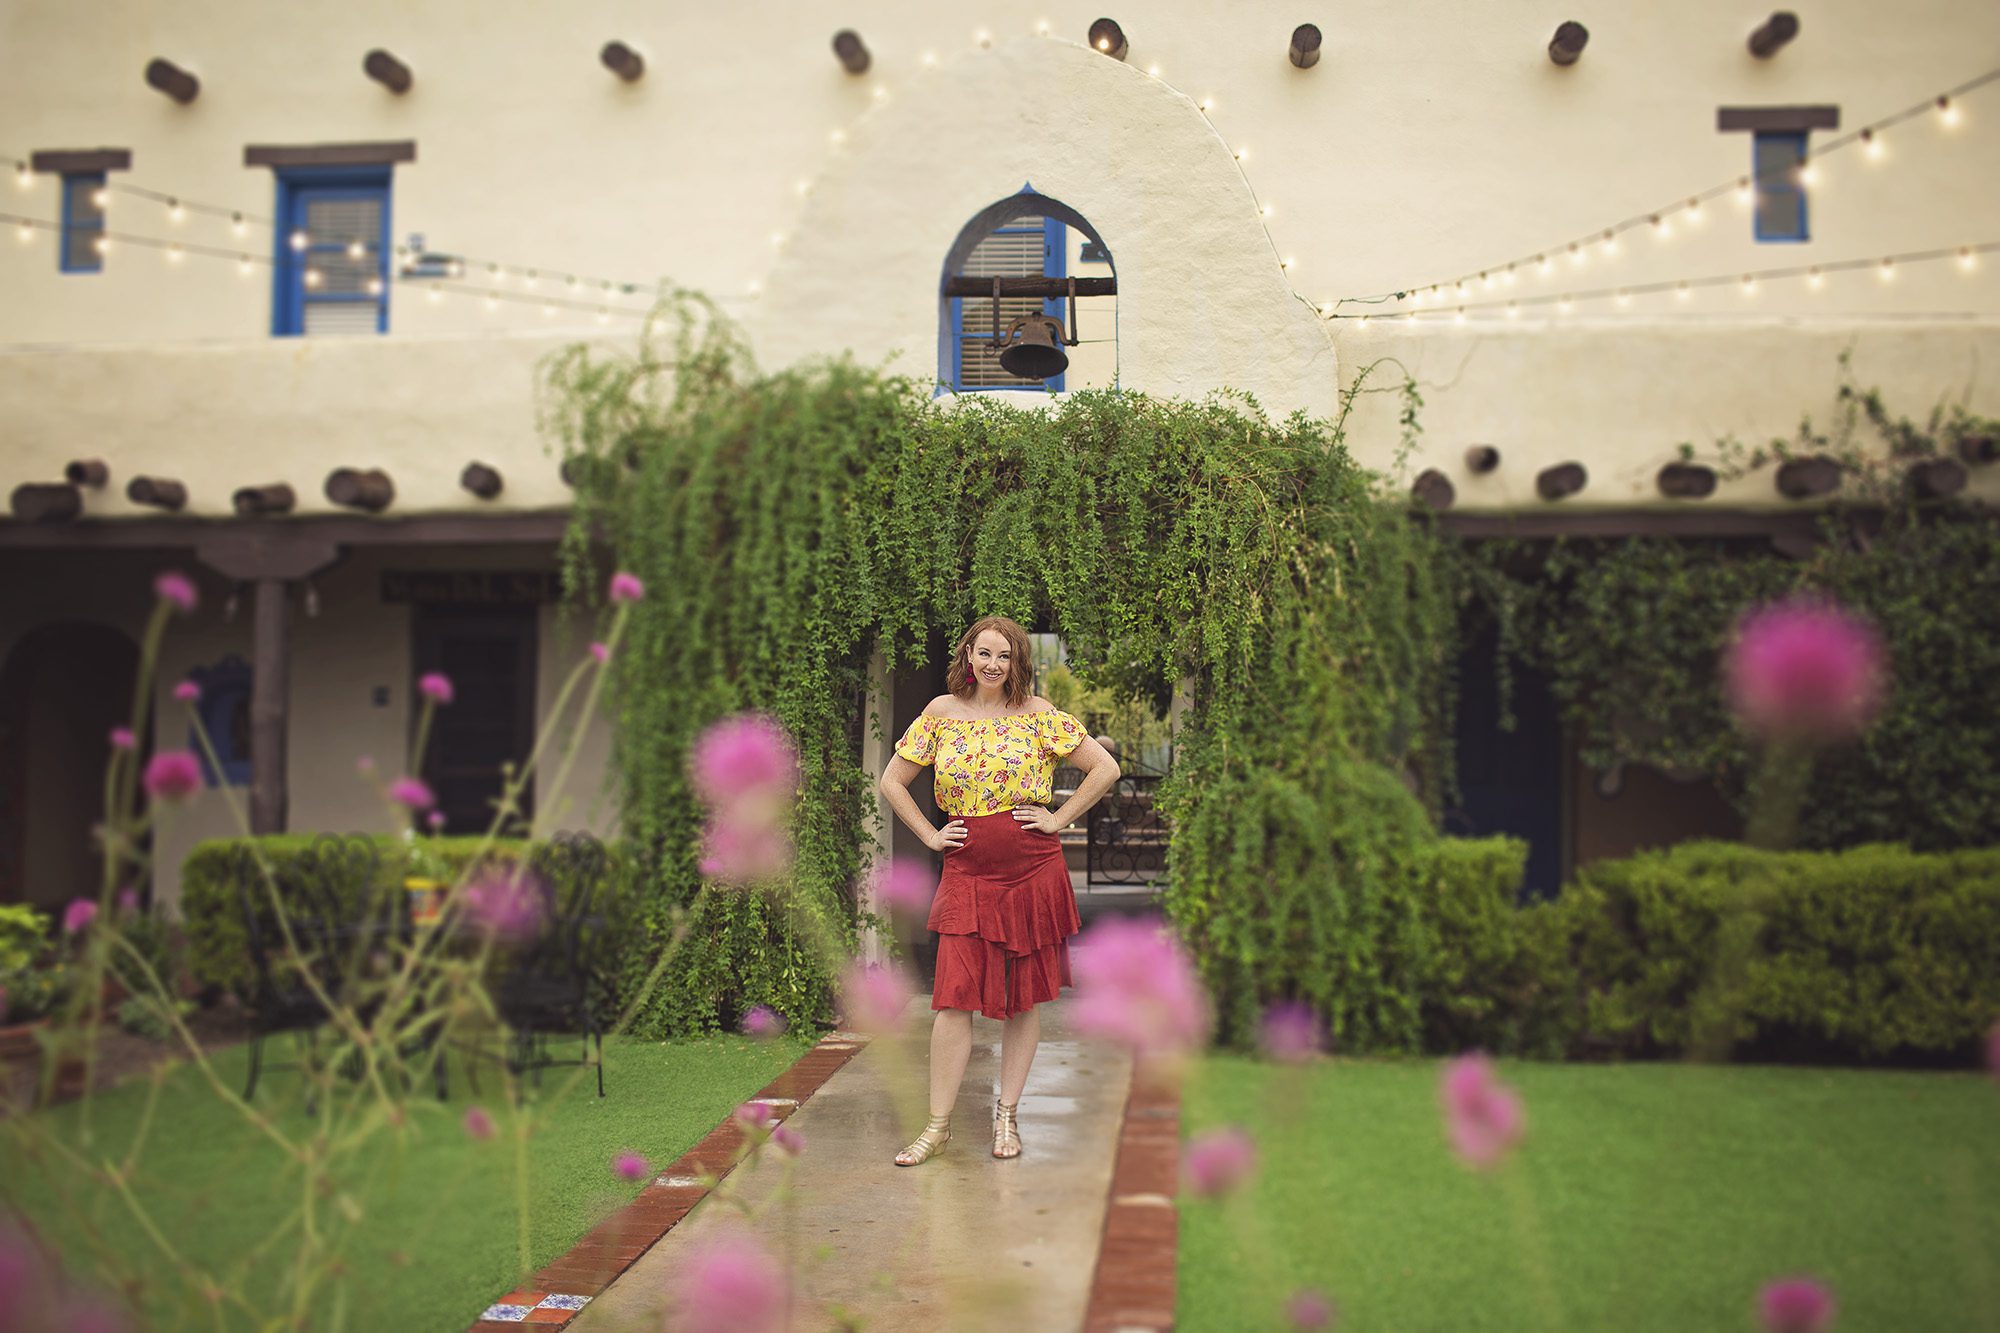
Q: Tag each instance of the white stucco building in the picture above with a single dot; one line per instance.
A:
(241, 248)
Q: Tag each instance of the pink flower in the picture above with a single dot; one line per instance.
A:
(1218, 1161)
(626, 588)
(1796, 1305)
(744, 851)
(629, 1165)
(78, 915)
(1290, 1032)
(1309, 1309)
(873, 997)
(745, 758)
(479, 1125)
(122, 738)
(901, 882)
(365, 765)
(754, 1116)
(187, 691)
(173, 775)
(731, 1284)
(1804, 670)
(413, 792)
(504, 902)
(763, 1022)
(1135, 985)
(435, 819)
(1482, 1115)
(788, 1140)
(601, 651)
(177, 588)
(128, 900)
(435, 686)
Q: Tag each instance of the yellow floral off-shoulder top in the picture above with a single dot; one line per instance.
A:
(987, 765)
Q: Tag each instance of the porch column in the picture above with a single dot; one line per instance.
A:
(271, 563)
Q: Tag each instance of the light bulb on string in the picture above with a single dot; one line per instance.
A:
(175, 254)
(236, 224)
(1361, 323)
(100, 197)
(881, 92)
(300, 240)
(1749, 285)
(603, 315)
(1288, 262)
(1207, 103)
(1809, 171)
(1153, 70)
(435, 294)
(355, 250)
(1743, 191)
(1266, 210)
(1542, 265)
(1966, 259)
(548, 311)
(1242, 153)
(23, 178)
(1566, 305)
(1486, 281)
(1508, 276)
(102, 245)
(1662, 228)
(1513, 310)
(1871, 145)
(24, 233)
(1886, 269)
(1577, 256)
(531, 279)
(1610, 242)
(1415, 298)
(1693, 211)
(983, 37)
(243, 267)
(492, 304)
(1459, 316)
(312, 277)
(1683, 292)
(1042, 27)
(175, 213)
(1947, 112)
(1459, 288)
(1815, 279)
(1624, 297)
(374, 287)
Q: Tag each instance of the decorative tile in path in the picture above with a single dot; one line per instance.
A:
(962, 1243)
(566, 1287)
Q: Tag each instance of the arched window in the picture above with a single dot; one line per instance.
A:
(1027, 239)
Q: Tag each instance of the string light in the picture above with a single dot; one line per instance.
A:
(1362, 322)
(603, 315)
(1577, 256)
(374, 287)
(299, 240)
(1662, 229)
(548, 311)
(355, 250)
(1871, 145)
(1966, 259)
(101, 244)
(1566, 305)
(23, 178)
(1513, 310)
(1749, 285)
(243, 266)
(1693, 211)
(1153, 70)
(1809, 171)
(1459, 316)
(1683, 292)
(236, 223)
(25, 233)
(435, 294)
(175, 213)
(1743, 191)
(1610, 243)
(1947, 111)
(928, 58)
(983, 37)
(1242, 153)
(312, 277)
(174, 254)
(1624, 297)
(1888, 270)
(1815, 279)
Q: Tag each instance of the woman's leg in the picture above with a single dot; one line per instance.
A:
(951, 1047)
(1018, 1039)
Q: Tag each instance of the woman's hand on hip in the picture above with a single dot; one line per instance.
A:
(949, 838)
(1038, 818)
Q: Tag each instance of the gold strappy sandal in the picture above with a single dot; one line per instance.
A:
(1006, 1132)
(937, 1133)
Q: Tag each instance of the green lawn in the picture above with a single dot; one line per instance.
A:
(1651, 1196)
(438, 1233)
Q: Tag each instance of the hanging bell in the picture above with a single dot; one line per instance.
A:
(1038, 353)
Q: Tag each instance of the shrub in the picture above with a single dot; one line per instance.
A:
(24, 934)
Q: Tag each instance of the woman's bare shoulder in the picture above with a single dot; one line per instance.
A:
(1037, 704)
(945, 705)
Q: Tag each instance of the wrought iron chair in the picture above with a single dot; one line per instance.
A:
(547, 985)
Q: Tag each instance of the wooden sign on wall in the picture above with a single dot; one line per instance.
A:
(471, 587)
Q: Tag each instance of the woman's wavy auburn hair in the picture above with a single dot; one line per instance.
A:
(1020, 663)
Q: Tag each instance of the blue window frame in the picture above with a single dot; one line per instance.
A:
(225, 715)
(338, 282)
(1006, 251)
(82, 222)
(1775, 159)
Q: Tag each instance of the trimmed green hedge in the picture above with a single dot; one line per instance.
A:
(1869, 953)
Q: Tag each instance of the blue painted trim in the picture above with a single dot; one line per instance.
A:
(74, 183)
(1055, 264)
(298, 186)
(1781, 189)
(225, 696)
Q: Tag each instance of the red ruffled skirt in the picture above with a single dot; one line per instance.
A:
(1004, 913)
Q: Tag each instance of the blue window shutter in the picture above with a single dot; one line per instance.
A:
(82, 222)
(1010, 250)
(337, 208)
(1775, 158)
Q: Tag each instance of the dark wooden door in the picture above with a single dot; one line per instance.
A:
(489, 653)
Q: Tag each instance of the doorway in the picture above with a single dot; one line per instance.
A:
(489, 653)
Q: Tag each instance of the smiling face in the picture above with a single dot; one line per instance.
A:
(993, 658)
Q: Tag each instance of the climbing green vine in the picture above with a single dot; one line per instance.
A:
(791, 525)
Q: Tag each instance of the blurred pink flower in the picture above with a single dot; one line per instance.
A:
(1218, 1161)
(1482, 1116)
(479, 1125)
(743, 758)
(413, 792)
(1796, 1305)
(902, 882)
(128, 899)
(763, 1022)
(177, 588)
(435, 819)
(435, 686)
(873, 997)
(744, 851)
(78, 915)
(1804, 670)
(601, 651)
(731, 1284)
(1290, 1032)
(626, 588)
(505, 902)
(788, 1140)
(754, 1116)
(122, 738)
(629, 1165)
(1309, 1309)
(1134, 984)
(20, 1274)
(365, 765)
(187, 691)
(173, 775)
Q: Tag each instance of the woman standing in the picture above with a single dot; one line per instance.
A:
(1004, 909)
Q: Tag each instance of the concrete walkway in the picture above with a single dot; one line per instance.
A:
(963, 1242)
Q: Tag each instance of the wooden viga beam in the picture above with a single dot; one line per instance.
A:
(352, 488)
(91, 472)
(272, 498)
(159, 492)
(46, 502)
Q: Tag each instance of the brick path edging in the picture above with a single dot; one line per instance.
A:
(559, 1291)
(1133, 1285)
